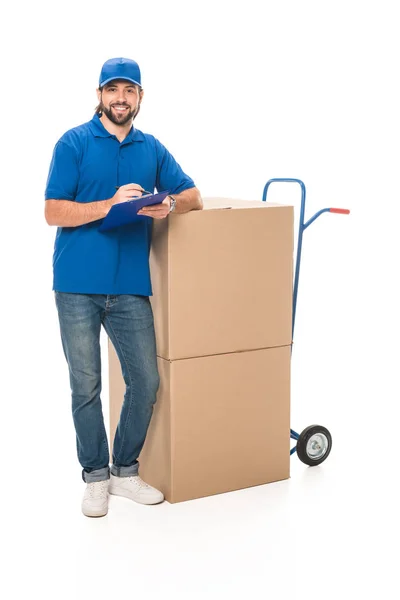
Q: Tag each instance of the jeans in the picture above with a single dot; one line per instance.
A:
(128, 321)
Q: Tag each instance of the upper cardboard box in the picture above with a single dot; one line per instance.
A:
(222, 278)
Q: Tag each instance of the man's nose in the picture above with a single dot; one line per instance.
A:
(121, 96)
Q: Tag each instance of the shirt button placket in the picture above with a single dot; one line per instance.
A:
(120, 157)
(121, 164)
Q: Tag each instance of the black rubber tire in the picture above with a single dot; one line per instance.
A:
(301, 446)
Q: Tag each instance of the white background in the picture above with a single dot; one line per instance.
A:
(239, 92)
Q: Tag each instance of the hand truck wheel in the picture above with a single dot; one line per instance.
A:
(314, 445)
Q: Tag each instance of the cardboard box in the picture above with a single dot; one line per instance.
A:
(220, 423)
(222, 278)
(222, 302)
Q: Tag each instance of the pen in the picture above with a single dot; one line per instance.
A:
(145, 192)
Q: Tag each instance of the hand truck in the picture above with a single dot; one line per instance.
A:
(315, 442)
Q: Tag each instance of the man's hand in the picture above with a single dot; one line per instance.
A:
(126, 193)
(156, 211)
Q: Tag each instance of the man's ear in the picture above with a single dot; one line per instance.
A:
(98, 94)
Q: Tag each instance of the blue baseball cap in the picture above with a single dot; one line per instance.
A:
(120, 68)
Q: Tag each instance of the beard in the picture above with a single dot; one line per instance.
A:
(117, 118)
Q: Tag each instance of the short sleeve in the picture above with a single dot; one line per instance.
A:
(170, 175)
(63, 178)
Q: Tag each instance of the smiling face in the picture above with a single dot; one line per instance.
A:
(120, 101)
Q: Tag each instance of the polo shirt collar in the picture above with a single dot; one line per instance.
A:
(98, 130)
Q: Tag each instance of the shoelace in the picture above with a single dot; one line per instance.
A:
(98, 488)
(139, 482)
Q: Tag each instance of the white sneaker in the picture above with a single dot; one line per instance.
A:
(95, 499)
(136, 489)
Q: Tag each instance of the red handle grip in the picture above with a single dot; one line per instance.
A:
(341, 211)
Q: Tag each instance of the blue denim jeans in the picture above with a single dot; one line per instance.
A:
(128, 321)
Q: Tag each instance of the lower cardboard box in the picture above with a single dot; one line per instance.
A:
(220, 423)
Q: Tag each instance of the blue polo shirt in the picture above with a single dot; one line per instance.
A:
(87, 163)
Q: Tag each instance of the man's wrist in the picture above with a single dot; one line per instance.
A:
(107, 205)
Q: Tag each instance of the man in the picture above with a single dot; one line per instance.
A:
(103, 279)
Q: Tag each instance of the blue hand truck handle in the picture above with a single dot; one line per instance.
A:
(302, 227)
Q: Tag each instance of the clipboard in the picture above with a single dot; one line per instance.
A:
(126, 212)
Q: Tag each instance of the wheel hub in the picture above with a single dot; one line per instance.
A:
(317, 446)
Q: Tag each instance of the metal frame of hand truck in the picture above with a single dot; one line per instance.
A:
(314, 443)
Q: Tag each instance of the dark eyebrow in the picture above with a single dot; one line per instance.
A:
(129, 85)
